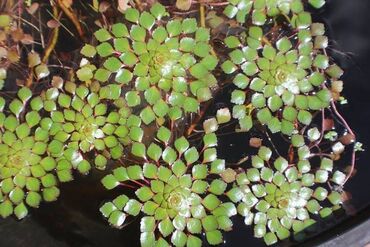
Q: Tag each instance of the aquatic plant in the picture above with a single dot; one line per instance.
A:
(139, 102)
(179, 192)
(282, 198)
(28, 173)
(261, 10)
(281, 78)
(85, 120)
(167, 65)
(12, 39)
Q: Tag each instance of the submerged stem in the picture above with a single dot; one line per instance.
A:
(54, 37)
(202, 15)
(139, 5)
(72, 16)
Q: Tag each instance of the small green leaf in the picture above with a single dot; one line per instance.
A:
(214, 237)
(102, 35)
(144, 194)
(154, 151)
(88, 50)
(135, 172)
(6, 208)
(211, 202)
(158, 10)
(50, 194)
(133, 207)
(110, 182)
(20, 211)
(166, 227)
(132, 15)
(117, 218)
(191, 155)
(147, 224)
(138, 149)
(147, 115)
(178, 238)
(41, 71)
(164, 134)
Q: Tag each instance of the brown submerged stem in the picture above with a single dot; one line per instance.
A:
(54, 37)
(266, 41)
(72, 16)
(213, 4)
(202, 15)
(139, 5)
(197, 120)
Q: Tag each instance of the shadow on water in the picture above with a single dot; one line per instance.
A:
(73, 220)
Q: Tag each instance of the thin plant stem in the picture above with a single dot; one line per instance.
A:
(61, 24)
(266, 41)
(197, 120)
(202, 15)
(212, 4)
(137, 182)
(272, 143)
(72, 16)
(53, 39)
(346, 125)
(127, 185)
(139, 5)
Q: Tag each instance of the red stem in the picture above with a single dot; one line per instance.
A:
(128, 186)
(344, 122)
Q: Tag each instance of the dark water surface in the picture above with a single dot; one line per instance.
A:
(74, 220)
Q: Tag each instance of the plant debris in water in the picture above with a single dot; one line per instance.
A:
(137, 102)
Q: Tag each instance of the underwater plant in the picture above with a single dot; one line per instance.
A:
(12, 39)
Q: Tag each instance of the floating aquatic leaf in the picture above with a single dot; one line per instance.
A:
(283, 197)
(158, 67)
(280, 76)
(177, 204)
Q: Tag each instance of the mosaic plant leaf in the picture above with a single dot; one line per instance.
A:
(260, 11)
(287, 83)
(164, 68)
(88, 120)
(29, 174)
(279, 198)
(176, 198)
(140, 103)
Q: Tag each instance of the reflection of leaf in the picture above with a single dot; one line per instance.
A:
(347, 139)
(103, 6)
(53, 23)
(27, 39)
(122, 5)
(214, 20)
(183, 4)
(255, 142)
(348, 207)
(328, 124)
(33, 8)
(95, 4)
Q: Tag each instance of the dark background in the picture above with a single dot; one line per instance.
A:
(73, 220)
